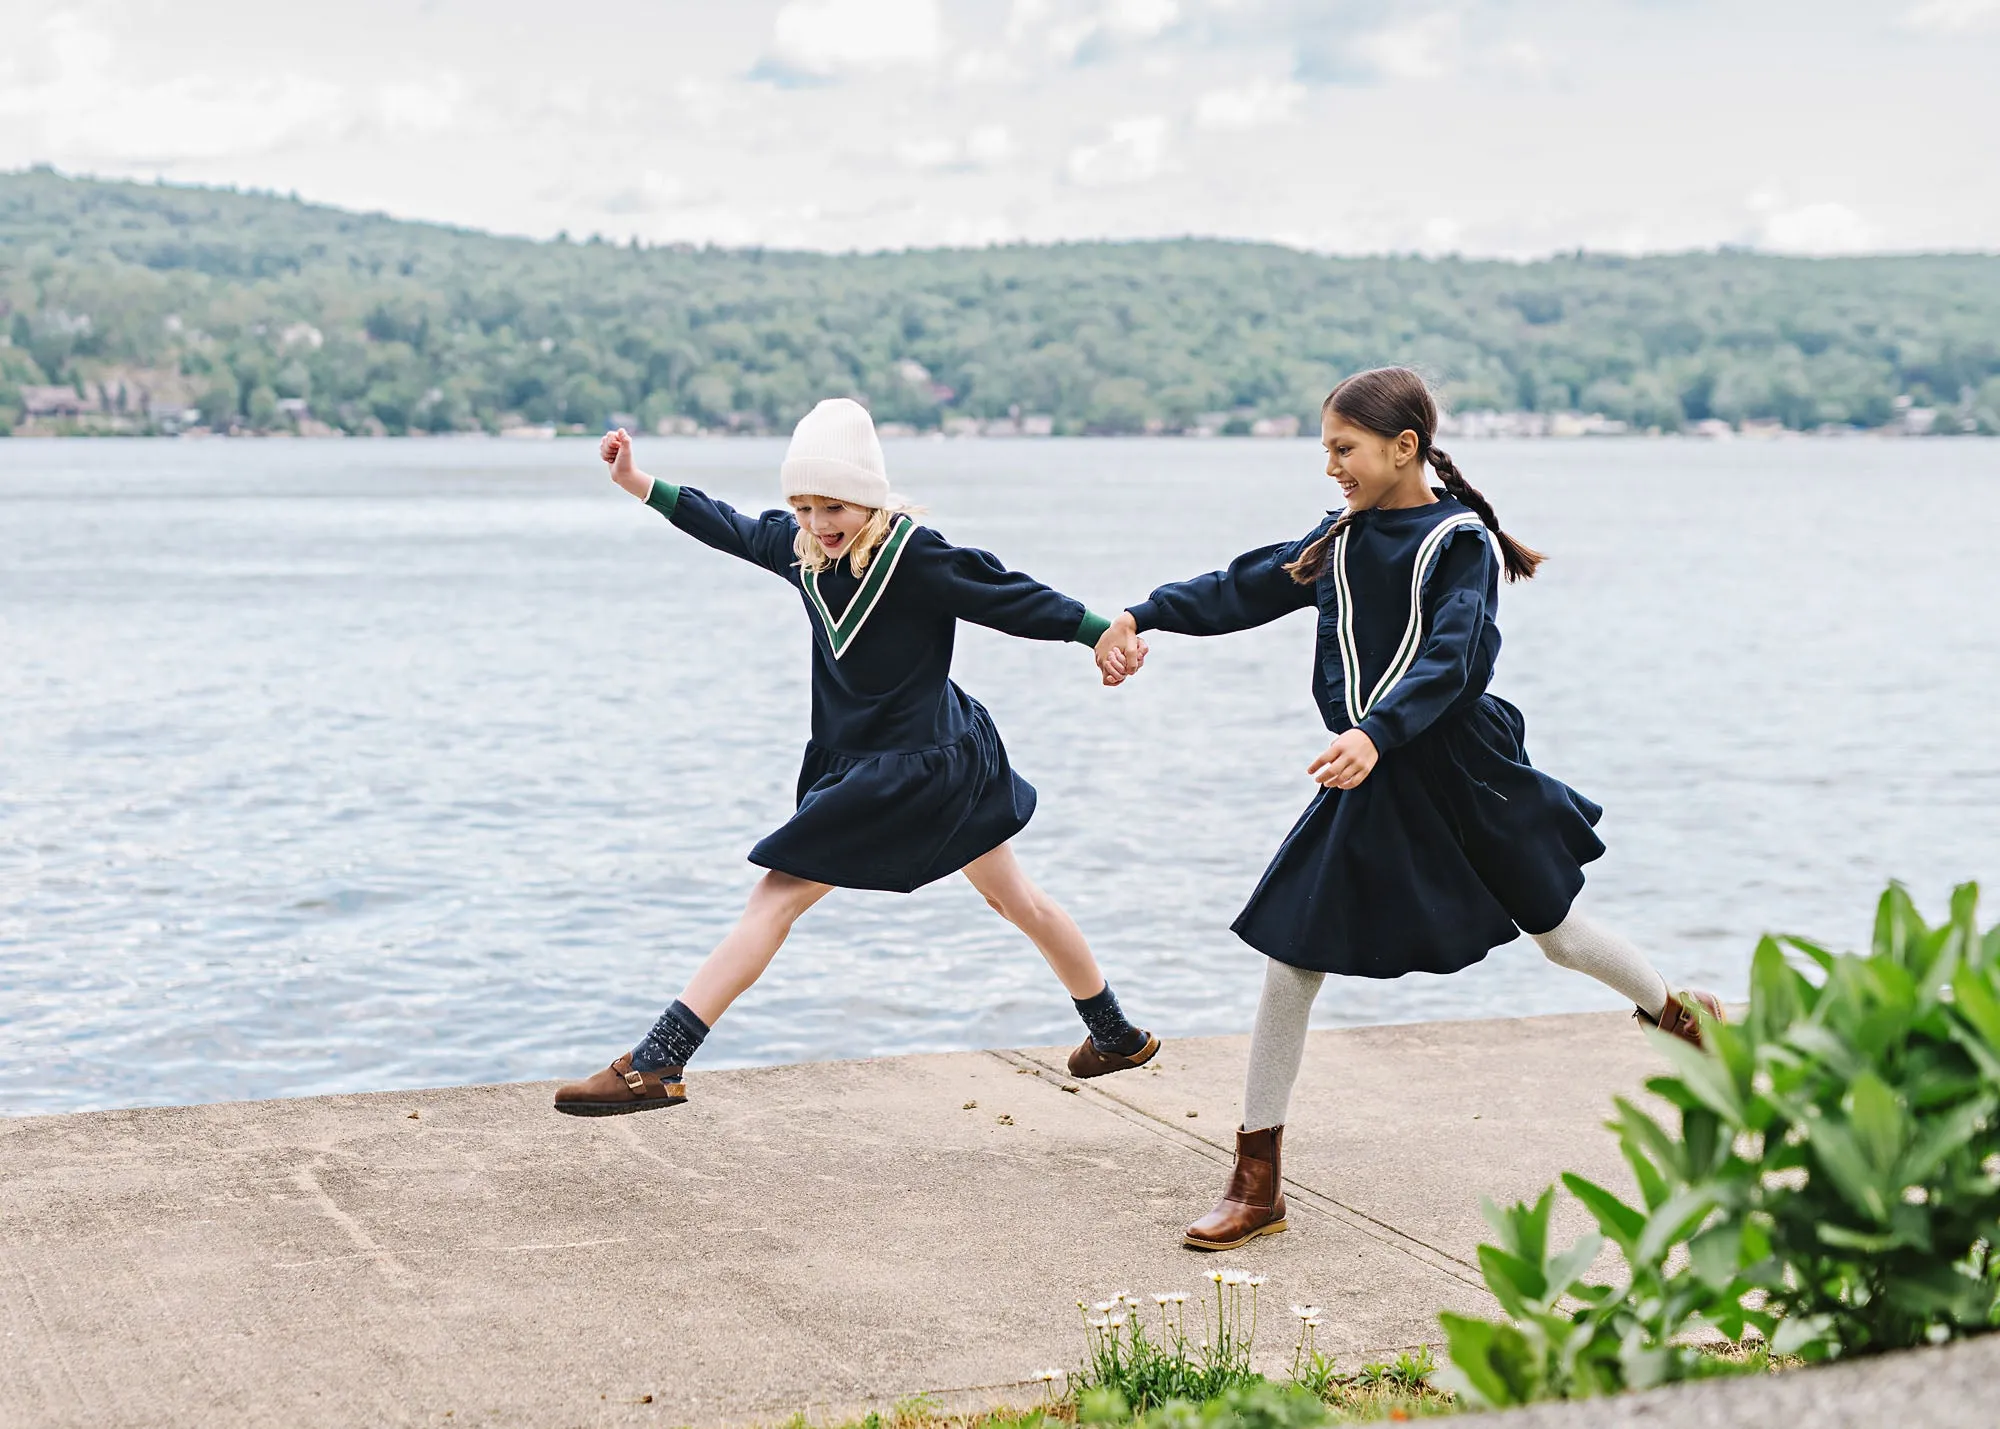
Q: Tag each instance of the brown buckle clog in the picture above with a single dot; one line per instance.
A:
(619, 1089)
(1086, 1061)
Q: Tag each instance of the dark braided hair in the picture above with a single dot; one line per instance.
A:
(1389, 401)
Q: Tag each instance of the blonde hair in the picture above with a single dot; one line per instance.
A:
(813, 557)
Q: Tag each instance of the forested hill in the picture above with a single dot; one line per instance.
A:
(265, 312)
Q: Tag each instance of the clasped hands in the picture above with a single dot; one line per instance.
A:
(1120, 652)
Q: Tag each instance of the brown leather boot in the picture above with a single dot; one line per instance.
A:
(1086, 1061)
(1679, 1019)
(1252, 1203)
(619, 1089)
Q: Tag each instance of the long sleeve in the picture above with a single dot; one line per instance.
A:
(973, 585)
(1255, 590)
(765, 540)
(1454, 601)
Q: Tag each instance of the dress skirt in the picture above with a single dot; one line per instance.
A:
(1450, 846)
(900, 820)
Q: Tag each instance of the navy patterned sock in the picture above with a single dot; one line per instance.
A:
(676, 1037)
(1109, 1031)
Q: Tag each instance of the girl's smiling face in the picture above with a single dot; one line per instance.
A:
(832, 523)
(1372, 470)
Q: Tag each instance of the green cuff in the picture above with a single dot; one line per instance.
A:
(663, 497)
(1091, 630)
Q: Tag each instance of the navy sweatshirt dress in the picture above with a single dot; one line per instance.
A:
(1454, 841)
(905, 779)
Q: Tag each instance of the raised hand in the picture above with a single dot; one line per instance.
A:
(616, 451)
(1346, 762)
(1120, 653)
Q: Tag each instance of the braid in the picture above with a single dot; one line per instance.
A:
(1520, 560)
(1311, 564)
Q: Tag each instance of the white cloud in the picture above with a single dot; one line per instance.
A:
(1133, 151)
(1953, 17)
(935, 152)
(1255, 105)
(1127, 20)
(989, 144)
(1426, 48)
(1819, 229)
(826, 38)
(984, 147)
(86, 111)
(653, 193)
(431, 107)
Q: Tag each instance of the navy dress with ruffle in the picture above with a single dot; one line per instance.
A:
(1455, 841)
(905, 779)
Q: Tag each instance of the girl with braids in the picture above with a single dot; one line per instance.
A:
(1432, 839)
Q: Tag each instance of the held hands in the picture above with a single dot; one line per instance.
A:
(1120, 652)
(1347, 761)
(616, 450)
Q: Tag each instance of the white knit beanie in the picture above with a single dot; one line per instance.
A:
(835, 452)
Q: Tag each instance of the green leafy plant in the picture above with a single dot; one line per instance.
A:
(1834, 1183)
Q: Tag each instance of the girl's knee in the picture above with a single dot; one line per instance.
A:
(1554, 948)
(782, 898)
(1023, 906)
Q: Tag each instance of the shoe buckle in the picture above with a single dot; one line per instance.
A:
(636, 1080)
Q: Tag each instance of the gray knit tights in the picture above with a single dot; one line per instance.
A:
(1278, 1043)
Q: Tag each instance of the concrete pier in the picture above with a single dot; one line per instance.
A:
(818, 1238)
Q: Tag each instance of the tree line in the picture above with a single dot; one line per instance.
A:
(159, 305)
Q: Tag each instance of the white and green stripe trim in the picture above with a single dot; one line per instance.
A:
(1413, 631)
(840, 633)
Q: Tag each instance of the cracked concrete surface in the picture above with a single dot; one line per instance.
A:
(822, 1237)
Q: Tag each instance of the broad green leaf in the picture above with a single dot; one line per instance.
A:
(1716, 1255)
(1880, 1128)
(1516, 1283)
(1565, 1268)
(1672, 1223)
(1940, 1134)
(1847, 1167)
(1873, 1242)
(1618, 1220)
(1801, 1335)
(1704, 1074)
(1775, 1003)
(1492, 1364)
(1812, 950)
(1646, 1136)
(1977, 1000)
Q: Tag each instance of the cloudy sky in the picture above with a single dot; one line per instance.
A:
(1509, 127)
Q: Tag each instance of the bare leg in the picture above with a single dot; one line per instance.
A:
(740, 959)
(1009, 892)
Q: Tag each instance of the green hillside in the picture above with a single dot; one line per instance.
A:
(268, 313)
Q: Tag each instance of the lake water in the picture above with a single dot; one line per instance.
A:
(338, 766)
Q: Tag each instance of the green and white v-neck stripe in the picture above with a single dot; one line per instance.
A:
(1413, 631)
(840, 633)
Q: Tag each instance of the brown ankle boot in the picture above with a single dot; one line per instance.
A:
(1252, 1203)
(1678, 1017)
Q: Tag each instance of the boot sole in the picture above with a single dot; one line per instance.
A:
(1192, 1244)
(617, 1108)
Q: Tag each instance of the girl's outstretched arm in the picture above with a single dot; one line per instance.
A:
(973, 585)
(766, 540)
(1255, 590)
